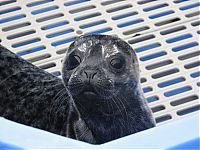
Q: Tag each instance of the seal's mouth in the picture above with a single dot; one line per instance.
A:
(89, 92)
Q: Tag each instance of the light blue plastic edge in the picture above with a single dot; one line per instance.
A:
(181, 134)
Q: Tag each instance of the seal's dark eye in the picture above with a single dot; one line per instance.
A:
(117, 63)
(73, 61)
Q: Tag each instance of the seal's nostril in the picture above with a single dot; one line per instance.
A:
(89, 74)
(94, 75)
(86, 74)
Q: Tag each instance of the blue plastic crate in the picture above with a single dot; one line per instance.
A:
(181, 134)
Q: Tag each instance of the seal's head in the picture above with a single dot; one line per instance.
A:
(102, 74)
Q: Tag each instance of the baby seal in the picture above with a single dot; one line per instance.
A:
(102, 75)
(99, 98)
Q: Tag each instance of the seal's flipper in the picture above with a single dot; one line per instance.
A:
(28, 94)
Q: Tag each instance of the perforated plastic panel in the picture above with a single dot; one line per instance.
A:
(165, 35)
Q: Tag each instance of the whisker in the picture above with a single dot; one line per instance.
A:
(123, 105)
(59, 92)
(117, 106)
(81, 106)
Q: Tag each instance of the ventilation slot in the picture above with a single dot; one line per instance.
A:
(147, 89)
(13, 18)
(118, 8)
(21, 34)
(141, 2)
(171, 82)
(196, 23)
(16, 26)
(133, 31)
(92, 24)
(180, 1)
(184, 47)
(28, 42)
(190, 6)
(179, 38)
(195, 75)
(75, 2)
(49, 17)
(33, 4)
(189, 55)
(177, 91)
(38, 58)
(9, 10)
(55, 25)
(142, 80)
(122, 16)
(61, 42)
(184, 100)
(157, 108)
(47, 66)
(62, 51)
(162, 14)
(172, 30)
(159, 64)
(32, 50)
(53, 35)
(163, 118)
(130, 23)
(141, 39)
(7, 2)
(82, 9)
(165, 73)
(152, 99)
(147, 47)
(155, 7)
(188, 110)
(193, 14)
(87, 16)
(167, 22)
(44, 10)
(153, 56)
(110, 2)
(192, 65)
(100, 31)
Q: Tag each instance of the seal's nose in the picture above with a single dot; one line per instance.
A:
(89, 75)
